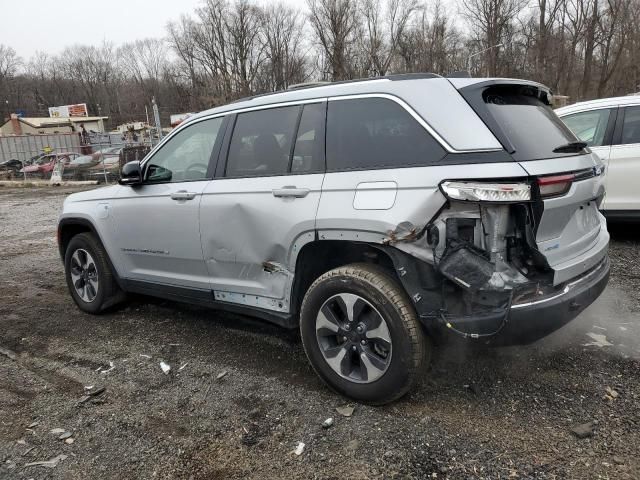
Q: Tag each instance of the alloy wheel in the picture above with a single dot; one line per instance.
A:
(353, 338)
(84, 275)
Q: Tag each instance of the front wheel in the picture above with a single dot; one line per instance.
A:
(89, 276)
(361, 334)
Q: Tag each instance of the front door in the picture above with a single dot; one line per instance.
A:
(157, 225)
(260, 210)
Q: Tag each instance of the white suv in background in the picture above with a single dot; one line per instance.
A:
(611, 128)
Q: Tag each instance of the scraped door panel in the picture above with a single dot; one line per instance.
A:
(252, 229)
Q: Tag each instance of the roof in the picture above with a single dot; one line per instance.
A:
(599, 103)
(435, 99)
(45, 122)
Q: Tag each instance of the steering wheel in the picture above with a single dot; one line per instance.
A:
(196, 167)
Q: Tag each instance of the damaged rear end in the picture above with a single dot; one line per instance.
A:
(512, 259)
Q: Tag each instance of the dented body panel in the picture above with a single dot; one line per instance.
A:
(469, 266)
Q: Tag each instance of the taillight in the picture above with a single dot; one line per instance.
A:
(487, 192)
(555, 185)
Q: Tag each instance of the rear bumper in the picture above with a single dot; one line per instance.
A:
(584, 262)
(533, 320)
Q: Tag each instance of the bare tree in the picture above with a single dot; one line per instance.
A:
(333, 23)
(491, 21)
(282, 36)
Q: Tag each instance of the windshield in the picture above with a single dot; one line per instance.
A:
(526, 122)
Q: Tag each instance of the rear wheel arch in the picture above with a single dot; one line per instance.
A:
(320, 256)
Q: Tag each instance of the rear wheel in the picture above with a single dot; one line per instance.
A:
(89, 276)
(361, 334)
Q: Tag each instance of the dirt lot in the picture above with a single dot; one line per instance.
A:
(500, 413)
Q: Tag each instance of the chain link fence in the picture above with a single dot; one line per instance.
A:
(96, 157)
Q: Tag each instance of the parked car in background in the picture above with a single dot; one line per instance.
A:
(611, 128)
(12, 165)
(44, 165)
(84, 162)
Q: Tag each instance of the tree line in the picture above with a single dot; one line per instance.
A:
(229, 49)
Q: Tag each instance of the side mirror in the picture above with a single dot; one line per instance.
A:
(131, 174)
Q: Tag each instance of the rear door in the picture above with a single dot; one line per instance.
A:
(623, 194)
(260, 209)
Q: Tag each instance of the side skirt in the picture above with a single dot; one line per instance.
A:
(206, 298)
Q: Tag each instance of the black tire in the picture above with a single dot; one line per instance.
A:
(410, 349)
(107, 293)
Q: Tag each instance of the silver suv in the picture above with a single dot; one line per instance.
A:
(379, 216)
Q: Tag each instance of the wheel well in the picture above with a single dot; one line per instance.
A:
(67, 231)
(319, 257)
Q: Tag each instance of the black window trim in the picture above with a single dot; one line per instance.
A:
(221, 169)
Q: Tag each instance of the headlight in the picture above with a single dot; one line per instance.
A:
(487, 192)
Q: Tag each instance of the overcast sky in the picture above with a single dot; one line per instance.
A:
(51, 25)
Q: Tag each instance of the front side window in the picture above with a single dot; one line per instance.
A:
(631, 125)
(186, 156)
(376, 133)
(590, 126)
(261, 142)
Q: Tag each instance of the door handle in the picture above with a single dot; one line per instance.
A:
(290, 191)
(183, 195)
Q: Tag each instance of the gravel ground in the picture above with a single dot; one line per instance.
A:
(499, 413)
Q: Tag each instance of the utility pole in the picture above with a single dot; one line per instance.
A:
(156, 117)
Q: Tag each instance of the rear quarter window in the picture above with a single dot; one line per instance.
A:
(521, 118)
(372, 133)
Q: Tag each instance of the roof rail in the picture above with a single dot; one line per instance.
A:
(298, 86)
(302, 86)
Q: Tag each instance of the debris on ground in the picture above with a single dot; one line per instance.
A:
(65, 435)
(91, 394)
(57, 431)
(598, 340)
(299, 449)
(327, 423)
(222, 375)
(33, 424)
(11, 355)
(345, 411)
(69, 440)
(183, 366)
(111, 367)
(584, 430)
(166, 368)
(47, 463)
(145, 356)
(611, 393)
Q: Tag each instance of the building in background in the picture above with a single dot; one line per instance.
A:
(46, 125)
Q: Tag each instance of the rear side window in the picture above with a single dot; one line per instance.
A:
(526, 122)
(631, 125)
(261, 142)
(376, 133)
(590, 126)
